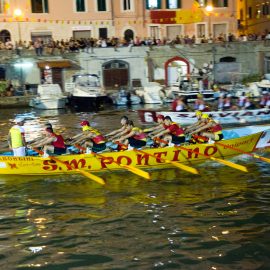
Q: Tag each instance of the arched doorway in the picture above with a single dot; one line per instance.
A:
(115, 74)
(175, 69)
(5, 35)
(128, 35)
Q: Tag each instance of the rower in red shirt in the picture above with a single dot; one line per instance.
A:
(53, 143)
(172, 134)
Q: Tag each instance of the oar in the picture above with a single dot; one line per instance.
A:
(132, 169)
(243, 152)
(83, 172)
(225, 162)
(176, 164)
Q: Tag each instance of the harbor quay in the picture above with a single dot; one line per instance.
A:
(129, 67)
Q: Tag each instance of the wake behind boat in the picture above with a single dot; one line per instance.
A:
(224, 117)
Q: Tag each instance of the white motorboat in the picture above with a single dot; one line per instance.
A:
(151, 93)
(190, 91)
(50, 97)
(260, 87)
(86, 92)
(123, 98)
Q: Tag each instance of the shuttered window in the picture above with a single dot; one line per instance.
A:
(126, 5)
(101, 4)
(80, 6)
(39, 6)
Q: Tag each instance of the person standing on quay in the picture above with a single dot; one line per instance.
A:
(16, 139)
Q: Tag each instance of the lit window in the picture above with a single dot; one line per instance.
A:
(173, 4)
(101, 4)
(80, 6)
(153, 4)
(39, 6)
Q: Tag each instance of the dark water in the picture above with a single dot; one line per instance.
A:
(217, 220)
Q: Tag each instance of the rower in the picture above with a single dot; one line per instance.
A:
(200, 123)
(179, 105)
(91, 138)
(52, 143)
(135, 138)
(194, 126)
(227, 102)
(265, 100)
(211, 130)
(85, 126)
(199, 103)
(118, 132)
(158, 128)
(172, 134)
(16, 139)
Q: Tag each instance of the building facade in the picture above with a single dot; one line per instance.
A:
(162, 19)
(254, 16)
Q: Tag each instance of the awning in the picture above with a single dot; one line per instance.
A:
(55, 64)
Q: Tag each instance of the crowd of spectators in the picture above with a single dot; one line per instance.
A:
(88, 44)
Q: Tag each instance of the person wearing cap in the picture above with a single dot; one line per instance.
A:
(91, 138)
(85, 127)
(158, 128)
(135, 138)
(172, 134)
(53, 143)
(210, 130)
(194, 126)
(16, 139)
(119, 132)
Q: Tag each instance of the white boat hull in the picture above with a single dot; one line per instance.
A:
(224, 117)
(48, 103)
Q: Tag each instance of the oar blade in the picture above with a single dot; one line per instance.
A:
(183, 167)
(137, 171)
(262, 158)
(92, 176)
(231, 164)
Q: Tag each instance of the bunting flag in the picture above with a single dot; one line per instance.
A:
(156, 16)
(177, 17)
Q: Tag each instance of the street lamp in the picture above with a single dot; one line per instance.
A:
(209, 9)
(17, 14)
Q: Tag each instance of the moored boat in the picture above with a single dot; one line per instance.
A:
(224, 117)
(86, 93)
(153, 157)
(50, 97)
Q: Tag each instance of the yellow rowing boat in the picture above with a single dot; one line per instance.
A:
(152, 157)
